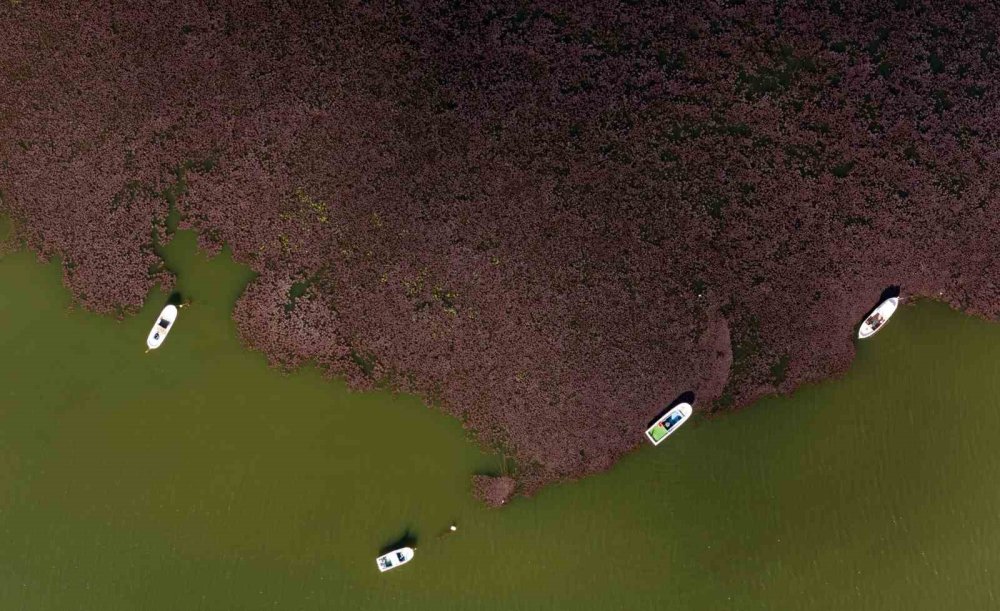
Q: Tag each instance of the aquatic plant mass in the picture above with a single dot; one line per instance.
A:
(527, 214)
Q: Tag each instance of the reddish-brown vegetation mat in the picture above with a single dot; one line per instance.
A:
(549, 219)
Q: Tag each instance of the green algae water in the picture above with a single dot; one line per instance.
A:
(195, 477)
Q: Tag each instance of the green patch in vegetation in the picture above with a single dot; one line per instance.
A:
(727, 308)
(668, 156)
(746, 346)
(365, 362)
(521, 21)
(682, 131)
(173, 218)
(806, 159)
(988, 51)
(965, 136)
(298, 289)
(941, 101)
(874, 47)
(714, 204)
(937, 65)
(670, 61)
(7, 233)
(975, 91)
(779, 370)
(558, 19)
(651, 234)
(175, 189)
(870, 111)
(581, 86)
(953, 184)
(851, 221)
(841, 170)
(776, 79)
(179, 187)
(736, 129)
(726, 401)
(126, 197)
(614, 151)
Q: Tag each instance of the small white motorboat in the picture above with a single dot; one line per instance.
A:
(877, 319)
(161, 327)
(396, 557)
(668, 423)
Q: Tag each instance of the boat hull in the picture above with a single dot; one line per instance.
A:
(395, 558)
(669, 422)
(871, 325)
(164, 323)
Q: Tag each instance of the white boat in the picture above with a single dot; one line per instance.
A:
(877, 319)
(669, 422)
(161, 327)
(396, 557)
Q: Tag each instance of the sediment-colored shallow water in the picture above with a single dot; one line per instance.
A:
(195, 477)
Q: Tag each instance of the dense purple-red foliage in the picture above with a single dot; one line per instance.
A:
(549, 218)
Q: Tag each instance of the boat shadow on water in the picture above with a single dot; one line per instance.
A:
(409, 539)
(889, 293)
(176, 299)
(687, 397)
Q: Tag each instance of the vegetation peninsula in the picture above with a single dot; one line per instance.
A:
(548, 219)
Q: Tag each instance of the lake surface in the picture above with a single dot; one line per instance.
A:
(195, 477)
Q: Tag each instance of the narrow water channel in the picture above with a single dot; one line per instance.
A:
(195, 477)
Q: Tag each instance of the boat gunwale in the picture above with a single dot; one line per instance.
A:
(893, 305)
(170, 309)
(408, 552)
(686, 410)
